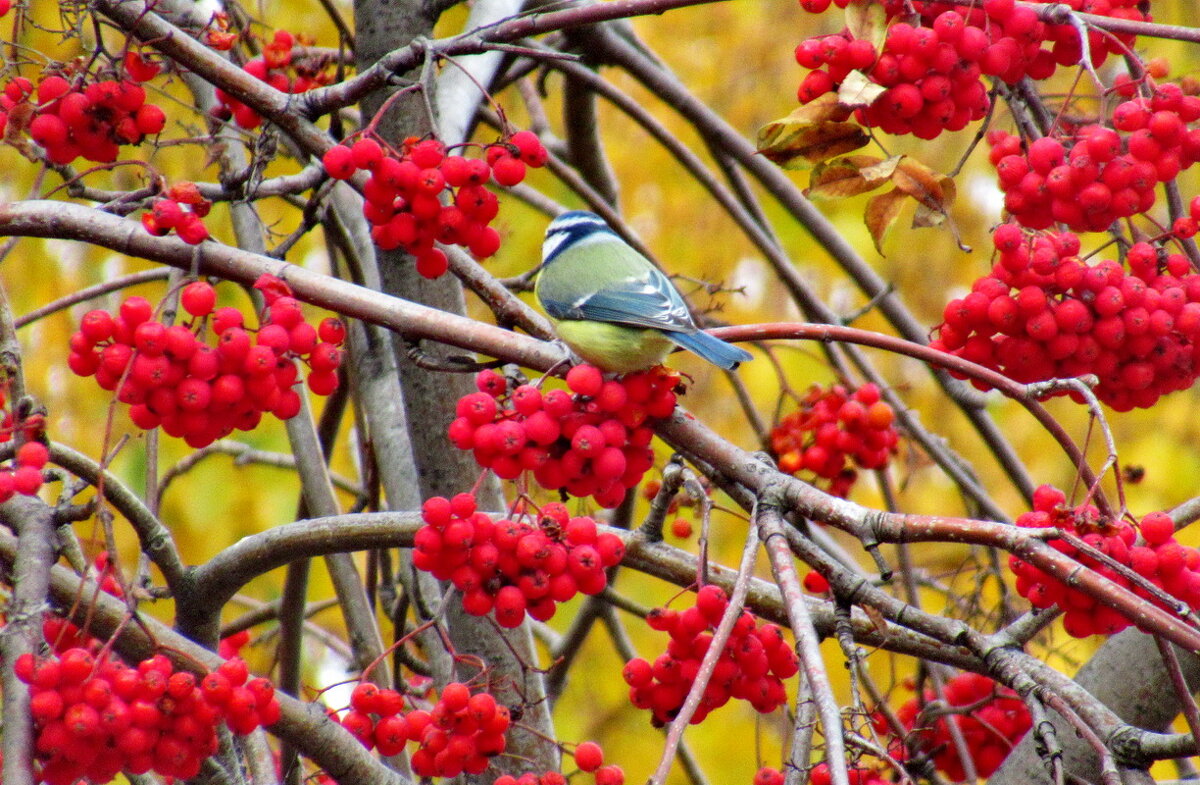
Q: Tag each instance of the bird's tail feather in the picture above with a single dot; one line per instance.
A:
(713, 349)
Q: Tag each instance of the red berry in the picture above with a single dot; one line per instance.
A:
(339, 162)
(585, 380)
(1157, 528)
(198, 298)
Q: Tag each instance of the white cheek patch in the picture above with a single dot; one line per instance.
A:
(551, 245)
(554, 243)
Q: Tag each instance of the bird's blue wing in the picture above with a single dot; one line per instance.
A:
(647, 300)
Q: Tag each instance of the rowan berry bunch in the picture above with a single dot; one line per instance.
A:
(513, 566)
(1043, 313)
(592, 443)
(24, 474)
(95, 717)
(820, 775)
(1162, 561)
(183, 210)
(529, 778)
(752, 667)
(931, 65)
(1090, 176)
(459, 734)
(171, 377)
(991, 719)
(404, 194)
(605, 775)
(73, 120)
(588, 757)
(833, 428)
(277, 67)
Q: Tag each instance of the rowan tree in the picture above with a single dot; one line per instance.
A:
(911, 548)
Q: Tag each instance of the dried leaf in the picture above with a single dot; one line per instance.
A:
(850, 176)
(931, 189)
(798, 140)
(881, 213)
(878, 620)
(882, 170)
(19, 118)
(857, 90)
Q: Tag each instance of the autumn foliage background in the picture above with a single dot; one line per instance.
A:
(737, 58)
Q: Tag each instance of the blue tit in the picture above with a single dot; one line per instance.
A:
(613, 307)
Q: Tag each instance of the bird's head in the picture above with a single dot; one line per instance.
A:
(573, 229)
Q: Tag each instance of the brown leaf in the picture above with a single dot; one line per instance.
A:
(850, 176)
(857, 90)
(19, 118)
(932, 189)
(877, 619)
(881, 213)
(929, 215)
(798, 140)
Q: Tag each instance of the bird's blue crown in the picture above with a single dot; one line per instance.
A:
(569, 229)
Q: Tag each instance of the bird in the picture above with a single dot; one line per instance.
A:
(613, 307)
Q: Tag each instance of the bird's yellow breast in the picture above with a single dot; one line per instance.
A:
(614, 347)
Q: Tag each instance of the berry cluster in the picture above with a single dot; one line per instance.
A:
(459, 734)
(277, 68)
(217, 34)
(820, 775)
(991, 719)
(931, 75)
(1043, 313)
(1173, 567)
(593, 443)
(95, 717)
(25, 474)
(588, 757)
(1186, 226)
(752, 667)
(831, 428)
(172, 378)
(513, 566)
(70, 121)
(605, 775)
(182, 209)
(1091, 176)
(929, 67)
(404, 194)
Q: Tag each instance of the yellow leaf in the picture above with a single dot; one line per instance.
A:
(881, 213)
(867, 20)
(824, 107)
